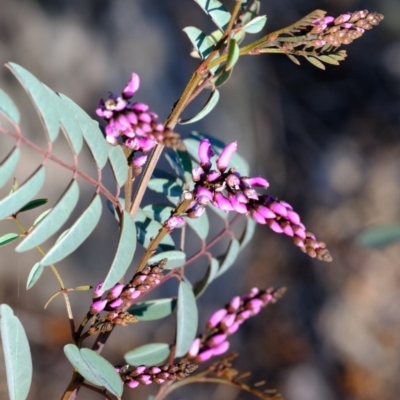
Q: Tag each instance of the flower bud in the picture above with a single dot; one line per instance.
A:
(132, 86)
(220, 349)
(98, 291)
(98, 306)
(225, 156)
(205, 153)
(115, 291)
(216, 318)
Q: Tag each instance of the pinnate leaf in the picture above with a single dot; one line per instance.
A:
(8, 107)
(208, 107)
(8, 238)
(148, 354)
(8, 166)
(175, 258)
(153, 309)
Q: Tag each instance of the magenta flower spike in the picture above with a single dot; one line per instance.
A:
(132, 86)
(225, 156)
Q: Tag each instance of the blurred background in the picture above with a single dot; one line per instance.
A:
(327, 141)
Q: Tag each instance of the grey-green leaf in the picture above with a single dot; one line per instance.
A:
(17, 354)
(165, 186)
(248, 232)
(175, 258)
(152, 310)
(40, 98)
(118, 164)
(75, 358)
(16, 200)
(91, 132)
(187, 319)
(104, 371)
(158, 212)
(34, 275)
(76, 235)
(379, 236)
(57, 217)
(200, 226)
(216, 10)
(8, 166)
(208, 107)
(8, 238)
(124, 254)
(148, 354)
(256, 24)
(202, 43)
(8, 107)
(202, 284)
(230, 257)
(147, 228)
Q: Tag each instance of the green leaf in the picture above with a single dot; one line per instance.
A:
(175, 163)
(91, 132)
(8, 107)
(202, 284)
(76, 235)
(8, 238)
(256, 24)
(40, 98)
(33, 204)
(17, 354)
(209, 106)
(187, 319)
(221, 76)
(314, 61)
(175, 258)
(251, 12)
(75, 358)
(248, 232)
(165, 186)
(118, 164)
(328, 60)
(158, 212)
(202, 43)
(8, 166)
(153, 309)
(379, 236)
(216, 10)
(148, 228)
(200, 226)
(124, 254)
(69, 125)
(230, 257)
(58, 215)
(104, 371)
(34, 275)
(233, 54)
(148, 354)
(13, 202)
(293, 59)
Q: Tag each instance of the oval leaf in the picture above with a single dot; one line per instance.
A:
(13, 202)
(118, 164)
(17, 355)
(165, 186)
(153, 309)
(248, 232)
(124, 254)
(233, 54)
(40, 98)
(58, 216)
(34, 275)
(210, 275)
(200, 41)
(187, 319)
(209, 106)
(200, 226)
(175, 259)
(314, 61)
(256, 24)
(33, 204)
(230, 257)
(149, 354)
(91, 132)
(379, 236)
(76, 235)
(158, 212)
(216, 10)
(75, 358)
(8, 238)
(8, 166)
(8, 107)
(42, 216)
(104, 371)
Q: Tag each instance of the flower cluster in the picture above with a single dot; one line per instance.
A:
(133, 122)
(119, 297)
(343, 29)
(228, 190)
(227, 321)
(143, 375)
